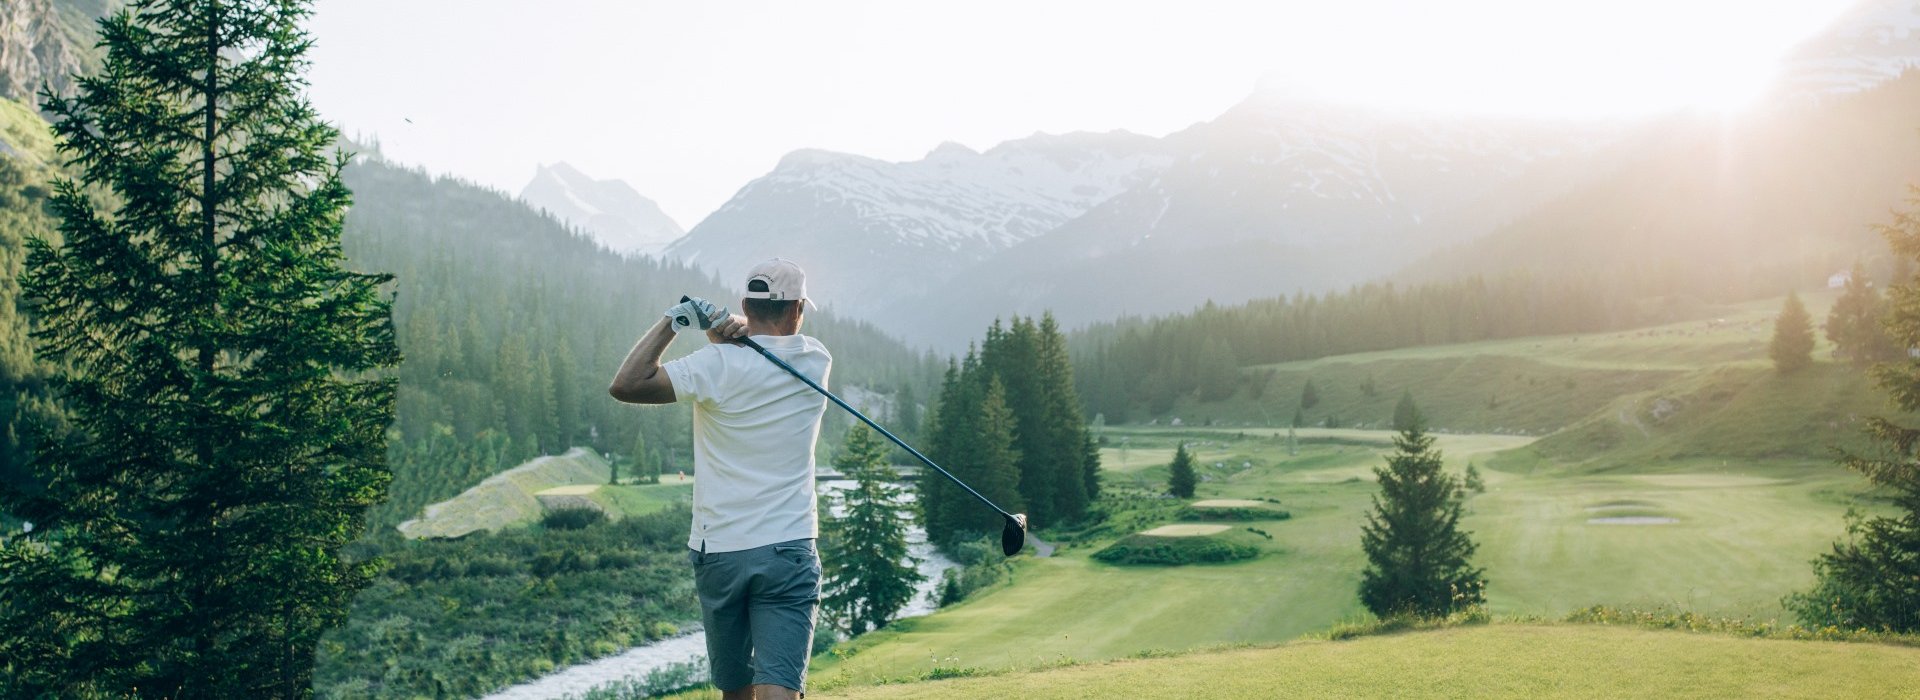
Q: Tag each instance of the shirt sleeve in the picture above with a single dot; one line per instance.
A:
(698, 376)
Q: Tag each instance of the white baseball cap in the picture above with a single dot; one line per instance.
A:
(784, 279)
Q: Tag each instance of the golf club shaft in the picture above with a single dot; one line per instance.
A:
(869, 421)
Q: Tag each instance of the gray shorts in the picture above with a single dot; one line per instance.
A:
(758, 606)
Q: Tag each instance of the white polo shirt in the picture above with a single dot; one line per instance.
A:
(754, 428)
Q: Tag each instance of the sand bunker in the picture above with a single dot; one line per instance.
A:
(1185, 530)
(1633, 520)
(1228, 503)
(575, 490)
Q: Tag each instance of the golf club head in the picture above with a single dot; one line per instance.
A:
(1014, 535)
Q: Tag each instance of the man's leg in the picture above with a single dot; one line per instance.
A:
(780, 607)
(770, 692)
(721, 582)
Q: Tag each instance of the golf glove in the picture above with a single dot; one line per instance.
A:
(694, 313)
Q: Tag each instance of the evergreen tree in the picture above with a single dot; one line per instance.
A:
(1180, 476)
(1872, 579)
(1090, 468)
(1012, 356)
(948, 423)
(992, 465)
(1405, 414)
(1418, 560)
(567, 396)
(1064, 426)
(1218, 373)
(1853, 324)
(1792, 346)
(868, 571)
(1309, 396)
(229, 381)
(1472, 481)
(908, 415)
(640, 455)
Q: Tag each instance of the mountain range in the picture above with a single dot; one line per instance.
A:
(1281, 194)
(868, 230)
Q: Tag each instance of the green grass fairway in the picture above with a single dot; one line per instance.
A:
(1495, 661)
(643, 499)
(1743, 536)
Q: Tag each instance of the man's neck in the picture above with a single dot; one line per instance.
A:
(776, 328)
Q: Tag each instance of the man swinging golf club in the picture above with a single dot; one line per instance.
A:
(754, 428)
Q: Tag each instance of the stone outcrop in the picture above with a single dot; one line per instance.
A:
(37, 47)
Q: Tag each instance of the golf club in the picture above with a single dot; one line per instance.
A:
(1013, 533)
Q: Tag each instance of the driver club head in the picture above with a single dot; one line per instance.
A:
(1014, 535)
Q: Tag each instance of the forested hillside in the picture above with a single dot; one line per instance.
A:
(1136, 368)
(512, 325)
(26, 149)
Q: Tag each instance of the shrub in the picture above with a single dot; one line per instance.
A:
(1235, 513)
(982, 565)
(1175, 551)
(572, 518)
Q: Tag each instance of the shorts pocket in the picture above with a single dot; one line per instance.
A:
(799, 554)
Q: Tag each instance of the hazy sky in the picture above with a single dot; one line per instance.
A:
(689, 100)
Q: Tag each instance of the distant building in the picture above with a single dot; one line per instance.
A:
(1839, 279)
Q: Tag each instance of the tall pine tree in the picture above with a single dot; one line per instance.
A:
(868, 571)
(228, 379)
(1064, 455)
(1180, 476)
(1418, 559)
(1792, 345)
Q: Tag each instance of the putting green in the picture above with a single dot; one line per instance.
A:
(1185, 530)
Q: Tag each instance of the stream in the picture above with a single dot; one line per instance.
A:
(640, 660)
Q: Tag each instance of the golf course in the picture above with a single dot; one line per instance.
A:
(1652, 520)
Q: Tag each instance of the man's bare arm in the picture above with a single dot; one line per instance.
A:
(640, 379)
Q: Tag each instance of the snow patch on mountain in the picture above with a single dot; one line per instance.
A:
(874, 225)
(611, 211)
(1872, 43)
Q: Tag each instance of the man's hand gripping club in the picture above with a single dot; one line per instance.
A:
(695, 313)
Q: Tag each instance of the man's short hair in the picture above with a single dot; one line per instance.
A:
(765, 310)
